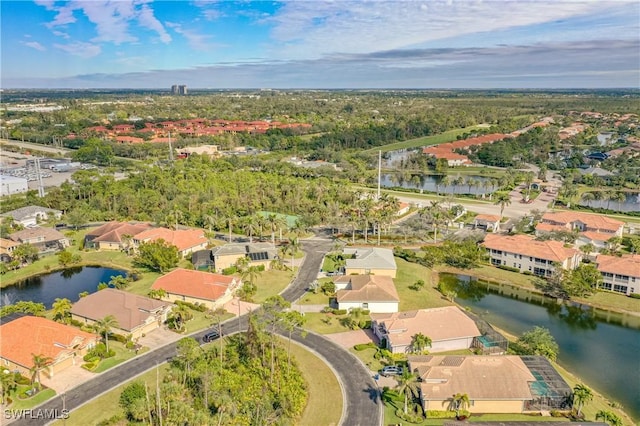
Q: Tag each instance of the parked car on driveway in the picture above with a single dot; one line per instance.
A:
(212, 335)
(391, 370)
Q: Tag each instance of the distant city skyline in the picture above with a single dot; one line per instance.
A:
(209, 44)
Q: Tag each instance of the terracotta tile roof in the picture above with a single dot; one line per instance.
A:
(130, 310)
(112, 232)
(183, 239)
(488, 217)
(369, 288)
(626, 265)
(487, 377)
(7, 244)
(445, 323)
(547, 227)
(201, 285)
(596, 236)
(592, 221)
(525, 245)
(29, 335)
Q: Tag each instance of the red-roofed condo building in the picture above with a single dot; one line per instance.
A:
(212, 290)
(524, 253)
(592, 228)
(621, 274)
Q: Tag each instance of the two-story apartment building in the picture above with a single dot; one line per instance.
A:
(525, 253)
(620, 274)
(592, 228)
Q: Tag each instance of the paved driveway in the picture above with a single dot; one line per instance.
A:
(349, 339)
(159, 337)
(68, 378)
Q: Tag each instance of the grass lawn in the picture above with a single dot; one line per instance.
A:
(39, 398)
(428, 297)
(366, 356)
(314, 299)
(324, 323)
(324, 406)
(201, 320)
(122, 354)
(444, 137)
(490, 273)
(270, 283)
(106, 406)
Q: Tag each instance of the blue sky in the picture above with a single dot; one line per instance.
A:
(320, 44)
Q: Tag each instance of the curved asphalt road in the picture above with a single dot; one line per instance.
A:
(362, 403)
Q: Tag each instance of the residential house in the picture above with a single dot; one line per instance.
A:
(581, 222)
(186, 241)
(32, 215)
(487, 222)
(403, 208)
(44, 239)
(526, 254)
(6, 249)
(256, 253)
(114, 235)
(202, 260)
(494, 384)
(449, 329)
(212, 290)
(367, 260)
(376, 293)
(136, 315)
(26, 336)
(620, 274)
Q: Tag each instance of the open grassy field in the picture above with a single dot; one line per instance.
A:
(324, 406)
(39, 398)
(427, 297)
(444, 137)
(272, 282)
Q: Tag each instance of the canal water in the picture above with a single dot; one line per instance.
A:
(471, 184)
(600, 347)
(631, 203)
(67, 283)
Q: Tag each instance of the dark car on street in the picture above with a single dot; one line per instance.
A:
(212, 335)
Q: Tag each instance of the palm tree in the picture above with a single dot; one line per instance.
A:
(40, 362)
(502, 200)
(292, 248)
(581, 395)
(61, 309)
(250, 274)
(419, 343)
(528, 180)
(272, 221)
(609, 417)
(249, 225)
(458, 402)
(407, 384)
(620, 197)
(104, 327)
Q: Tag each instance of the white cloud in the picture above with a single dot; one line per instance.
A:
(148, 20)
(310, 29)
(196, 40)
(84, 50)
(112, 19)
(34, 45)
(60, 34)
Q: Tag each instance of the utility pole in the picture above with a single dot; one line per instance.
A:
(379, 172)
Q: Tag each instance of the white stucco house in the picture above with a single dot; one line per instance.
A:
(376, 293)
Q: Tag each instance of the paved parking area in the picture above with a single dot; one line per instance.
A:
(159, 337)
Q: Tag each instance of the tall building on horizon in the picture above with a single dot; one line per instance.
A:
(179, 89)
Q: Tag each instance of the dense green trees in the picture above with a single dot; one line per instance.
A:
(539, 341)
(239, 388)
(157, 255)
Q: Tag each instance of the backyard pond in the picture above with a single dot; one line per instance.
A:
(599, 346)
(67, 283)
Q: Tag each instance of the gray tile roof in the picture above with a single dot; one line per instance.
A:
(370, 258)
(30, 211)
